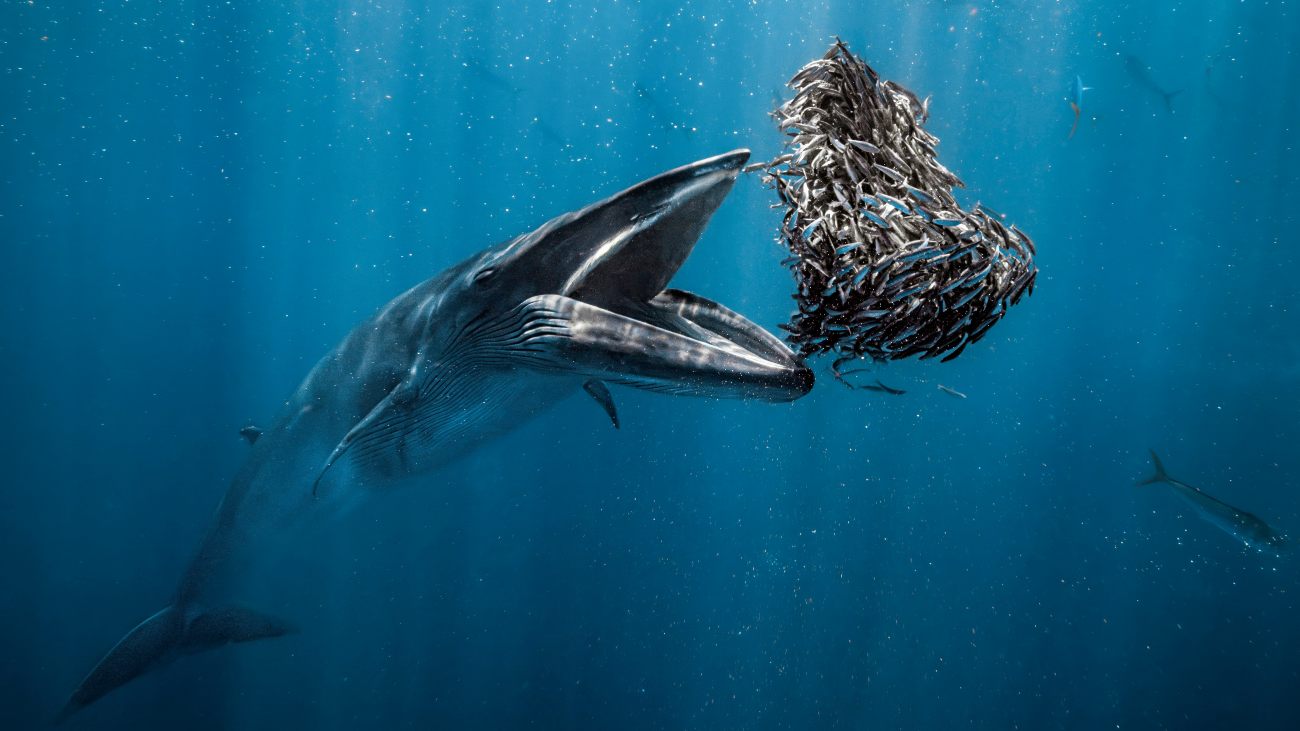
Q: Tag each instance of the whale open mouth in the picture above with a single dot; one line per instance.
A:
(613, 315)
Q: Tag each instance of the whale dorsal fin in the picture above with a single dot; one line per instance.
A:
(599, 391)
(251, 433)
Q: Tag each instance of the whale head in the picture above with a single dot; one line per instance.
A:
(588, 291)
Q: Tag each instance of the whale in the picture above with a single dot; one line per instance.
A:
(575, 306)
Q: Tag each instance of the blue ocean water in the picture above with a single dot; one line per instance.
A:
(198, 200)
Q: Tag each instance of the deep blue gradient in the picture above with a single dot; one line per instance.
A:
(197, 200)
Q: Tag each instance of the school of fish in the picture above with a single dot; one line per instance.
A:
(887, 264)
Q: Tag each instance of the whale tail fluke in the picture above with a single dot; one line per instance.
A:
(161, 638)
(229, 624)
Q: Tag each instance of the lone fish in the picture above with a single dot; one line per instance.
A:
(1076, 103)
(1243, 526)
(878, 386)
(951, 391)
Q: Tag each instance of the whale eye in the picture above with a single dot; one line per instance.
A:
(484, 275)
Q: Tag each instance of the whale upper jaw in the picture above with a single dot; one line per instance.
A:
(612, 315)
(622, 249)
(661, 221)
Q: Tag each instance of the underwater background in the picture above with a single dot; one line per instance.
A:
(198, 200)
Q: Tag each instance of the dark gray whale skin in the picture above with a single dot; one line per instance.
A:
(463, 357)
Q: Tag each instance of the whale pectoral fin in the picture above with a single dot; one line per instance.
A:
(599, 391)
(573, 336)
(387, 421)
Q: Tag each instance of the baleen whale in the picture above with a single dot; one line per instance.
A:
(579, 303)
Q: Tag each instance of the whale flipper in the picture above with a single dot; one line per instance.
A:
(599, 391)
(160, 638)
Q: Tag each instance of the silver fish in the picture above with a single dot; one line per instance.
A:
(951, 392)
(865, 146)
(892, 173)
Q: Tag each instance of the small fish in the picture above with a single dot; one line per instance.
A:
(875, 219)
(853, 174)
(979, 332)
(870, 314)
(839, 196)
(922, 254)
(896, 280)
(965, 340)
(878, 386)
(1076, 103)
(990, 212)
(918, 289)
(896, 203)
(892, 173)
(976, 277)
(865, 146)
(919, 194)
(951, 392)
(975, 291)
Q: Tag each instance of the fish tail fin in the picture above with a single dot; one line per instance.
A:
(1074, 127)
(1160, 474)
(1169, 98)
(162, 637)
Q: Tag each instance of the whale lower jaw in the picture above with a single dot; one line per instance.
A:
(679, 344)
